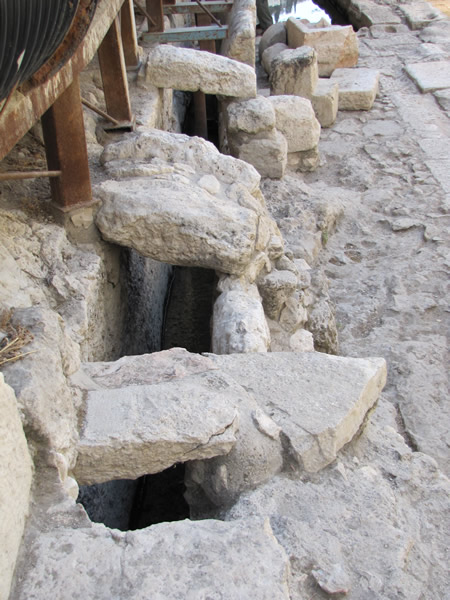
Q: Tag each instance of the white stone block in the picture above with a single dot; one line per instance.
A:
(296, 120)
(250, 116)
(357, 88)
(268, 155)
(325, 101)
(336, 46)
(294, 72)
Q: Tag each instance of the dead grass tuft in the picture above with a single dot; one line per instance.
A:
(12, 339)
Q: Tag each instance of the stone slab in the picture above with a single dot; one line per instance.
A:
(419, 14)
(430, 76)
(189, 70)
(168, 561)
(357, 88)
(294, 390)
(141, 428)
(443, 98)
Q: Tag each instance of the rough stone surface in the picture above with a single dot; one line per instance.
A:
(148, 209)
(336, 46)
(135, 426)
(270, 53)
(275, 289)
(372, 525)
(325, 102)
(135, 562)
(250, 116)
(419, 14)
(275, 34)
(294, 72)
(16, 472)
(316, 419)
(357, 88)
(189, 70)
(295, 119)
(239, 323)
(240, 43)
(430, 77)
(267, 155)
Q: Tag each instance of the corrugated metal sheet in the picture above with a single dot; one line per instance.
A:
(30, 32)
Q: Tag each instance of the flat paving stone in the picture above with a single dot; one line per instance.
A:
(357, 88)
(430, 76)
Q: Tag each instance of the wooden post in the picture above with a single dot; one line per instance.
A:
(129, 37)
(155, 10)
(114, 75)
(65, 147)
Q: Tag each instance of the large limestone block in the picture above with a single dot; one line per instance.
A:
(357, 88)
(275, 34)
(15, 482)
(142, 428)
(168, 561)
(296, 120)
(325, 101)
(430, 76)
(270, 53)
(294, 72)
(316, 418)
(172, 220)
(239, 323)
(268, 155)
(189, 70)
(336, 46)
(250, 116)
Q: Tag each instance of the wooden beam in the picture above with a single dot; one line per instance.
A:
(183, 34)
(114, 75)
(129, 36)
(66, 150)
(183, 8)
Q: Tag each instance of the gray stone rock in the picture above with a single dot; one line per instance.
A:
(211, 559)
(430, 76)
(293, 389)
(16, 471)
(419, 14)
(336, 46)
(275, 288)
(270, 53)
(275, 34)
(357, 88)
(188, 70)
(239, 323)
(132, 427)
(443, 97)
(294, 72)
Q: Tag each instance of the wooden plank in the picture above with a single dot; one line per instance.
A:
(114, 75)
(155, 10)
(184, 34)
(129, 36)
(66, 150)
(183, 8)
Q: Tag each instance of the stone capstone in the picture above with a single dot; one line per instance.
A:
(134, 425)
(189, 70)
(336, 46)
(357, 88)
(16, 471)
(294, 72)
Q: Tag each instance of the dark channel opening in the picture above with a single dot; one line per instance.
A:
(128, 504)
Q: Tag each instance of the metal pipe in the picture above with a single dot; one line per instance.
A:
(100, 112)
(209, 13)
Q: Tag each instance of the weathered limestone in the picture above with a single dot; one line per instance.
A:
(16, 473)
(190, 70)
(336, 46)
(294, 72)
(275, 288)
(250, 116)
(430, 76)
(325, 100)
(141, 417)
(239, 323)
(295, 119)
(240, 43)
(267, 155)
(270, 53)
(209, 557)
(419, 14)
(275, 34)
(357, 88)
